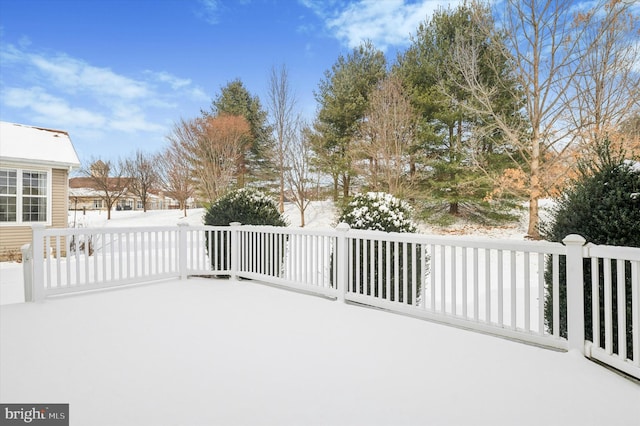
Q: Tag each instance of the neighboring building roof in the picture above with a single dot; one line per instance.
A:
(88, 182)
(81, 182)
(84, 192)
(36, 145)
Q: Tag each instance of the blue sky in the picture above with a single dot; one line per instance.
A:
(117, 74)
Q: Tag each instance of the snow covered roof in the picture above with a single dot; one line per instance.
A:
(35, 145)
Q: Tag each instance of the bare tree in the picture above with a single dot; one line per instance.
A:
(107, 178)
(298, 168)
(630, 135)
(281, 110)
(214, 147)
(175, 174)
(142, 174)
(387, 134)
(546, 50)
(607, 87)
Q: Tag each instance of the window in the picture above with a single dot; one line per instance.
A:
(34, 196)
(97, 203)
(24, 196)
(8, 195)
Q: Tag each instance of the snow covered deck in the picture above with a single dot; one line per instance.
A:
(215, 352)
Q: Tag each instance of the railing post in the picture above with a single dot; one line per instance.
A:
(27, 271)
(235, 248)
(575, 292)
(342, 270)
(38, 253)
(182, 249)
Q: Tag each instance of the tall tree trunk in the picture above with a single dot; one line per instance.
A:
(533, 230)
(345, 185)
(281, 201)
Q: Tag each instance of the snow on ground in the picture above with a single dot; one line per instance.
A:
(215, 352)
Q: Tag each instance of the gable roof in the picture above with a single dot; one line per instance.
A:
(36, 145)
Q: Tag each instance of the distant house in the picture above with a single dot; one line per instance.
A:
(84, 196)
(34, 173)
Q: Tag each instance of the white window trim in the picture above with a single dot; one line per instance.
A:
(19, 195)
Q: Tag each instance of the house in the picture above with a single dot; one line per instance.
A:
(83, 195)
(34, 173)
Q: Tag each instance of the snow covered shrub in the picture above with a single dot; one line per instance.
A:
(248, 206)
(380, 211)
(602, 206)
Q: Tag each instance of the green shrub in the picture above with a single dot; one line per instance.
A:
(380, 211)
(248, 206)
(603, 206)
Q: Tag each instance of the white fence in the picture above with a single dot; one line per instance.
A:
(494, 286)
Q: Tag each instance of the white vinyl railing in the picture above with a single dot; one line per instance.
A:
(489, 285)
(615, 307)
(494, 286)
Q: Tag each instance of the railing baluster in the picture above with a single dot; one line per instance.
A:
(432, 274)
(512, 289)
(527, 291)
(622, 309)
(76, 258)
(47, 259)
(454, 280)
(595, 301)
(476, 296)
(608, 308)
(464, 282)
(414, 273)
(487, 285)
(635, 311)
(541, 267)
(87, 259)
(556, 295)
(395, 259)
(501, 287)
(58, 263)
(443, 278)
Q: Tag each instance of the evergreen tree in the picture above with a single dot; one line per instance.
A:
(343, 96)
(462, 157)
(603, 206)
(235, 99)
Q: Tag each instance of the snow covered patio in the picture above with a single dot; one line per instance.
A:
(218, 352)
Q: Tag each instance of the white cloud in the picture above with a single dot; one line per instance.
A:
(172, 80)
(62, 91)
(49, 108)
(76, 75)
(385, 22)
(130, 118)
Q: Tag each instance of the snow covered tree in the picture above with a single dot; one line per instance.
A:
(378, 211)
